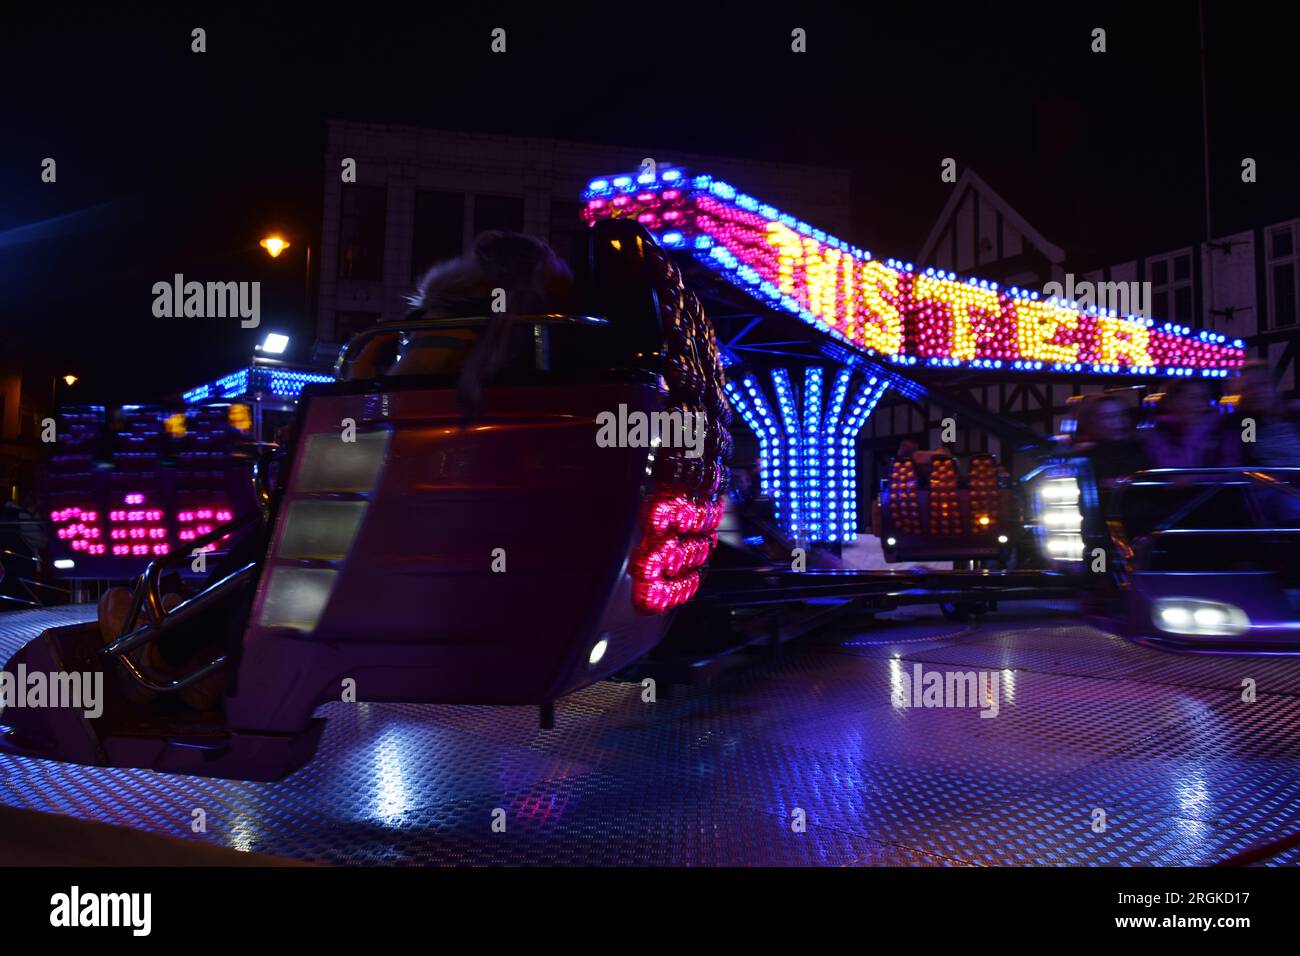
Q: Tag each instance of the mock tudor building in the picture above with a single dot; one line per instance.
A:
(1243, 285)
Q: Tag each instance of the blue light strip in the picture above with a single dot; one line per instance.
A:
(812, 441)
(835, 468)
(247, 382)
(792, 515)
(808, 463)
(865, 401)
(761, 431)
(720, 259)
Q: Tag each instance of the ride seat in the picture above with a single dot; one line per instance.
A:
(984, 495)
(944, 500)
(904, 497)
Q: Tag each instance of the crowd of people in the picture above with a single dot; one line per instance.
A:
(1190, 430)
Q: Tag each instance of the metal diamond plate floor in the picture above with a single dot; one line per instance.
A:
(1089, 726)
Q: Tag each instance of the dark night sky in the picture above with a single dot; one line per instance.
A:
(174, 162)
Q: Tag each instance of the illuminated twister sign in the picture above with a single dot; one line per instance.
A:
(885, 308)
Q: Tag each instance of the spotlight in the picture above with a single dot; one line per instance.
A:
(274, 343)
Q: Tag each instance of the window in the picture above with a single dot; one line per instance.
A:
(439, 229)
(569, 232)
(1171, 288)
(498, 212)
(1280, 270)
(361, 233)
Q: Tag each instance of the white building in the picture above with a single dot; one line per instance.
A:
(421, 195)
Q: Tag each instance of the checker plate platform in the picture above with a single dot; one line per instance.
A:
(1101, 753)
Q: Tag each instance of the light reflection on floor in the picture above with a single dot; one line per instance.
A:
(1182, 770)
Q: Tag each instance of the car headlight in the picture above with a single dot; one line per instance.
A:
(1198, 617)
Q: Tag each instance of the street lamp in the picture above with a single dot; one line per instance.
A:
(274, 245)
(69, 380)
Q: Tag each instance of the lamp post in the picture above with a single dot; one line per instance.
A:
(69, 380)
(274, 244)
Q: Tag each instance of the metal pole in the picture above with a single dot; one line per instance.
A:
(306, 289)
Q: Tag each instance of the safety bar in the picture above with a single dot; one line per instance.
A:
(158, 620)
(1262, 477)
(1157, 475)
(181, 614)
(1214, 484)
(540, 323)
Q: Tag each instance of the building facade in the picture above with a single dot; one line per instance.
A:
(421, 196)
(1243, 285)
(27, 399)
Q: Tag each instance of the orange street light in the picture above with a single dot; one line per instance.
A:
(274, 245)
(70, 379)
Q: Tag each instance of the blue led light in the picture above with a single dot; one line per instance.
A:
(248, 382)
(808, 461)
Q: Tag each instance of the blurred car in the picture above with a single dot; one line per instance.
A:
(1190, 559)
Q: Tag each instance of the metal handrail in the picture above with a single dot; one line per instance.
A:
(147, 598)
(183, 612)
(1252, 475)
(1261, 476)
(349, 350)
(1212, 471)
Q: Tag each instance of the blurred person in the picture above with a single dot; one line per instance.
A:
(1189, 432)
(534, 279)
(1277, 426)
(927, 458)
(742, 488)
(1105, 436)
(1276, 437)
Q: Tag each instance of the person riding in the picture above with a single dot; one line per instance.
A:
(1276, 430)
(1189, 432)
(1104, 435)
(503, 275)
